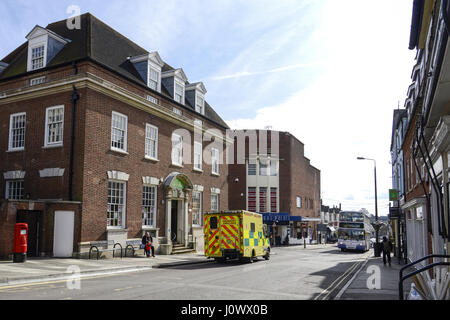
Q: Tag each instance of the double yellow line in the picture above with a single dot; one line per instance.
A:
(336, 283)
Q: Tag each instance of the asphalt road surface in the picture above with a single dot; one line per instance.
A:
(292, 273)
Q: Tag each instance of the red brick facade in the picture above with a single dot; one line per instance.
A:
(93, 157)
(296, 178)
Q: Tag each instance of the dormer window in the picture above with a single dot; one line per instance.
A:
(195, 94)
(174, 81)
(200, 104)
(149, 67)
(43, 46)
(179, 93)
(153, 79)
(37, 57)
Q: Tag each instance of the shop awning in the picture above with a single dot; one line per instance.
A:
(273, 217)
(279, 217)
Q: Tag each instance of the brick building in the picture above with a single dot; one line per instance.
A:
(274, 178)
(103, 139)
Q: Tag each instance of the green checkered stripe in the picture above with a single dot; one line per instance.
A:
(255, 237)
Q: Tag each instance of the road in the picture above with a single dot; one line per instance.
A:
(292, 273)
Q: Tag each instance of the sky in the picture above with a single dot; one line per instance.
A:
(329, 72)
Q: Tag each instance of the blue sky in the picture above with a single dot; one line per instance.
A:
(330, 72)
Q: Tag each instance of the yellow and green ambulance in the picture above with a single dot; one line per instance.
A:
(236, 235)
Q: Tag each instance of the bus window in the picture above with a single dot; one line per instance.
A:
(213, 222)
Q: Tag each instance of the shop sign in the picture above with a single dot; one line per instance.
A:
(394, 212)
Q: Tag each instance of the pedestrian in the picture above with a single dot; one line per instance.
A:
(387, 248)
(147, 241)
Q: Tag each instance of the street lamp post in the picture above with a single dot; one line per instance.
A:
(376, 248)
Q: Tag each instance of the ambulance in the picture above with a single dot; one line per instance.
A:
(236, 235)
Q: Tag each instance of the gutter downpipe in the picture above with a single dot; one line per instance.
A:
(433, 178)
(73, 98)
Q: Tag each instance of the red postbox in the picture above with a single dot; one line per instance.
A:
(20, 242)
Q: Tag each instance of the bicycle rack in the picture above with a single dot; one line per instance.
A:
(409, 275)
(126, 248)
(92, 247)
(121, 249)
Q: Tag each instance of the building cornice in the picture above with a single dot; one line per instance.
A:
(91, 81)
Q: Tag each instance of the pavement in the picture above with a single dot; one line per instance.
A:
(375, 281)
(47, 269)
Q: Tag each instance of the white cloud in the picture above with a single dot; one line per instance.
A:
(347, 111)
(274, 70)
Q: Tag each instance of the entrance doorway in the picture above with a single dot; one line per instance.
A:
(174, 221)
(63, 234)
(33, 219)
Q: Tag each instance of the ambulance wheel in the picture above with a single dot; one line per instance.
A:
(267, 256)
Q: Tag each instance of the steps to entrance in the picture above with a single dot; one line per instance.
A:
(180, 248)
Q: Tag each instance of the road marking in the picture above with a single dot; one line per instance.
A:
(341, 292)
(335, 284)
(126, 288)
(65, 278)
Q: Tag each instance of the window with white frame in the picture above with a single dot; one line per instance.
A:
(251, 170)
(198, 152)
(214, 202)
(263, 167)
(177, 149)
(262, 199)
(215, 160)
(54, 126)
(177, 111)
(14, 189)
(200, 104)
(179, 93)
(149, 205)
(119, 124)
(273, 200)
(153, 79)
(37, 57)
(273, 168)
(36, 81)
(17, 123)
(116, 204)
(251, 199)
(151, 141)
(299, 202)
(152, 99)
(197, 208)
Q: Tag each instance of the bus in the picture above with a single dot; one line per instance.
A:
(354, 231)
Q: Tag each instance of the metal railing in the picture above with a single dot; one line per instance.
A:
(92, 247)
(114, 250)
(409, 275)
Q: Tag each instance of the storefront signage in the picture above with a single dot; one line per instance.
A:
(394, 212)
(393, 195)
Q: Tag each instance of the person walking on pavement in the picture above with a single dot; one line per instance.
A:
(147, 241)
(387, 248)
